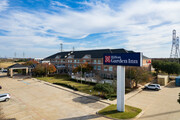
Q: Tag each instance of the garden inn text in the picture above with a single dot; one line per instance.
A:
(118, 59)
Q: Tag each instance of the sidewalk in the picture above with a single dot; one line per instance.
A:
(129, 95)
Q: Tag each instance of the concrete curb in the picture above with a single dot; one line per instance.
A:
(94, 98)
(138, 116)
(108, 117)
(75, 92)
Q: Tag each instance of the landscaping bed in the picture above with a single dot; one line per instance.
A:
(111, 112)
(82, 86)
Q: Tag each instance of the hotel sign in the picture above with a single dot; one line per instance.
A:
(123, 59)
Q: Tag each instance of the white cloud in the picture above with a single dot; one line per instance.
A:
(58, 4)
(3, 5)
(133, 22)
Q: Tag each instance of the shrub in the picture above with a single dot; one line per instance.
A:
(138, 75)
(83, 82)
(64, 76)
(66, 85)
(105, 89)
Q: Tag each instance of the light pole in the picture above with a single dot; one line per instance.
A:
(81, 73)
(46, 69)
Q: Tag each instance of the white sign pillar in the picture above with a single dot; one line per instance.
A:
(121, 88)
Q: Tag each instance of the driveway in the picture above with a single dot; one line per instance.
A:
(158, 105)
(36, 100)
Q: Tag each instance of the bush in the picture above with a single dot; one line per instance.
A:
(105, 88)
(83, 82)
(138, 75)
(66, 85)
(64, 76)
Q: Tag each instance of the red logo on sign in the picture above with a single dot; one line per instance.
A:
(107, 59)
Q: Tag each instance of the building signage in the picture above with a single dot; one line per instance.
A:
(123, 59)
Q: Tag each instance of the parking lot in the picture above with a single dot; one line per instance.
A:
(35, 100)
(158, 105)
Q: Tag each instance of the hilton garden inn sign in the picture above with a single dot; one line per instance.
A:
(122, 60)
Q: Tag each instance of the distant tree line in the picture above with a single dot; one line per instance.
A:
(138, 75)
(165, 66)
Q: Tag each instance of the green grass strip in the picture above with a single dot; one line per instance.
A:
(111, 112)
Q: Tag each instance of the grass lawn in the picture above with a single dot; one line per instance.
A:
(81, 87)
(111, 111)
(7, 64)
(84, 87)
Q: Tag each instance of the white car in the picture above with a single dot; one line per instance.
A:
(4, 97)
(153, 87)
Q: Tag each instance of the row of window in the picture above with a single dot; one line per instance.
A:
(105, 68)
(110, 68)
(77, 61)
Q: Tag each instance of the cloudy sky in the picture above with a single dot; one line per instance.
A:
(37, 27)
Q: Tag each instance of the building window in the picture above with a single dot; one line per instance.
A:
(105, 68)
(75, 65)
(75, 61)
(110, 68)
(84, 61)
(99, 61)
(99, 67)
(69, 61)
(94, 61)
(94, 67)
(111, 76)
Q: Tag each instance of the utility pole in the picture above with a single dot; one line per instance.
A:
(61, 47)
(23, 54)
(15, 55)
(174, 55)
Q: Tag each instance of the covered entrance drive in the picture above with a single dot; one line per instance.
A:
(11, 69)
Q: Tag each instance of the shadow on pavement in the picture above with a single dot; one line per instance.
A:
(2, 76)
(165, 113)
(84, 100)
(17, 76)
(94, 98)
(88, 117)
(150, 90)
(171, 85)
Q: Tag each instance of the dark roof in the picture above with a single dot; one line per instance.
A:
(145, 57)
(17, 66)
(93, 53)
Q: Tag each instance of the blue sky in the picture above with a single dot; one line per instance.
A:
(37, 27)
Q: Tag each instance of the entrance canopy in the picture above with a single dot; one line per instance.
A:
(18, 66)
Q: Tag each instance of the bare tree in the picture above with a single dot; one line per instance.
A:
(98, 77)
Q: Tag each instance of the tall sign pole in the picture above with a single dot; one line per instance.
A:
(122, 60)
(120, 88)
